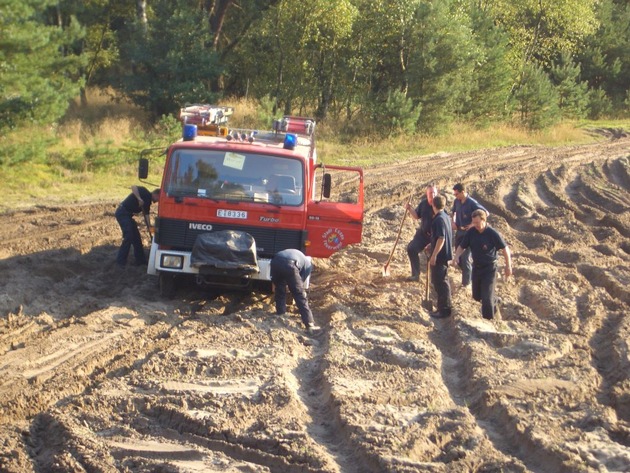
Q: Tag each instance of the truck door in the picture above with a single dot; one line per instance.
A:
(336, 221)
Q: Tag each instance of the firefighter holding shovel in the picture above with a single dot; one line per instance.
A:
(139, 200)
(424, 213)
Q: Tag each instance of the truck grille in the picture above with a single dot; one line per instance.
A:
(176, 234)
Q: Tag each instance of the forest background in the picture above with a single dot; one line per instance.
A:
(86, 84)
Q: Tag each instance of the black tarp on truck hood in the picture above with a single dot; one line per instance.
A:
(225, 249)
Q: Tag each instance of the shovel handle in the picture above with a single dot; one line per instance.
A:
(402, 221)
(426, 289)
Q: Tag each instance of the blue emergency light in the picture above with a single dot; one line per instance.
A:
(190, 132)
(290, 141)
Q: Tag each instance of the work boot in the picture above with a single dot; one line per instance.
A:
(439, 315)
(413, 278)
(313, 329)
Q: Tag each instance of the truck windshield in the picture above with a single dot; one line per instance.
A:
(240, 177)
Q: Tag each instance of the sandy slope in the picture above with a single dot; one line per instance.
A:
(98, 374)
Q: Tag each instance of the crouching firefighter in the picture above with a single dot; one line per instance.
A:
(292, 268)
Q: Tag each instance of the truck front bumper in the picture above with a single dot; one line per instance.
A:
(180, 262)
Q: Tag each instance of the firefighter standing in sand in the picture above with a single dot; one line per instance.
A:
(462, 210)
(424, 213)
(484, 243)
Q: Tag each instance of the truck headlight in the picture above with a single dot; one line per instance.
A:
(172, 261)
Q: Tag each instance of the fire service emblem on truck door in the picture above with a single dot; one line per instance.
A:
(333, 238)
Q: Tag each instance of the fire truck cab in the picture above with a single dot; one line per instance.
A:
(231, 199)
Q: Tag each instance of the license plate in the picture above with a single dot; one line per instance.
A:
(223, 213)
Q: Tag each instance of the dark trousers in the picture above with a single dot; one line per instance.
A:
(414, 248)
(131, 237)
(465, 260)
(439, 279)
(285, 273)
(483, 289)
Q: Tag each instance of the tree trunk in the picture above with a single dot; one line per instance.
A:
(141, 13)
(327, 82)
(217, 10)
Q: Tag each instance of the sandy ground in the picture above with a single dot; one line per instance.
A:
(99, 374)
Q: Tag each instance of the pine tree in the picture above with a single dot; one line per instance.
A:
(537, 99)
(40, 71)
(573, 93)
(605, 59)
(492, 76)
(170, 60)
(442, 56)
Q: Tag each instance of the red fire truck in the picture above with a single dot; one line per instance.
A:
(231, 199)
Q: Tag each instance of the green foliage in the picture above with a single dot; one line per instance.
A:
(441, 59)
(167, 130)
(101, 156)
(492, 75)
(573, 94)
(294, 55)
(70, 159)
(537, 99)
(605, 58)
(264, 111)
(540, 30)
(171, 63)
(397, 115)
(93, 158)
(100, 43)
(39, 71)
(19, 148)
(599, 104)
(380, 44)
(453, 60)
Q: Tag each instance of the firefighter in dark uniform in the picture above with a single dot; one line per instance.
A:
(462, 210)
(292, 268)
(484, 242)
(441, 255)
(424, 213)
(139, 200)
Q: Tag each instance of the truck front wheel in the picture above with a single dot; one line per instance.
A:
(166, 282)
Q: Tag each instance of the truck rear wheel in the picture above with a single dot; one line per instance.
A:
(166, 282)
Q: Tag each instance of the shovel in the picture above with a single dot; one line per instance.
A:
(386, 267)
(146, 222)
(426, 303)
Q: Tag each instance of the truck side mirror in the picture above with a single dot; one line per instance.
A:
(143, 168)
(326, 185)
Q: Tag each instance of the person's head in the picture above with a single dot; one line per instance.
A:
(155, 195)
(460, 191)
(479, 219)
(432, 191)
(438, 203)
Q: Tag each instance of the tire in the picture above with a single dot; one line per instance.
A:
(166, 282)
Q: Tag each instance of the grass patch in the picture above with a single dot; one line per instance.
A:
(37, 184)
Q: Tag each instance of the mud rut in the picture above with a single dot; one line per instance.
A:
(97, 373)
